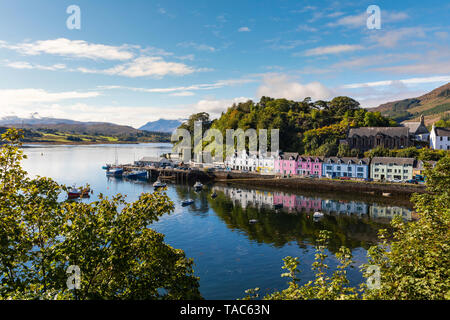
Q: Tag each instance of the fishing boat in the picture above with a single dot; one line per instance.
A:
(198, 186)
(136, 174)
(159, 184)
(114, 172)
(79, 192)
(187, 202)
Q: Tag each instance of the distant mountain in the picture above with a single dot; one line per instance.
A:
(432, 105)
(69, 126)
(161, 125)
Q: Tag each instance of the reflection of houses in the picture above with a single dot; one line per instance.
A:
(286, 163)
(371, 137)
(377, 211)
(390, 168)
(440, 138)
(417, 130)
(344, 207)
(309, 165)
(248, 198)
(346, 167)
(292, 202)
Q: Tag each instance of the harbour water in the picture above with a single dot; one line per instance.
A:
(239, 238)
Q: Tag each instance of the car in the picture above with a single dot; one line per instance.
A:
(345, 178)
(396, 181)
(413, 181)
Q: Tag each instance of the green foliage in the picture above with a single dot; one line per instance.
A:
(411, 152)
(120, 257)
(297, 121)
(416, 263)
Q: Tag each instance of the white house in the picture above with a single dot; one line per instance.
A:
(334, 167)
(252, 161)
(440, 138)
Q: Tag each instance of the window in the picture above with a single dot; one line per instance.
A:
(361, 169)
(338, 168)
(349, 168)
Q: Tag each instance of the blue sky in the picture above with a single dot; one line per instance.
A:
(137, 61)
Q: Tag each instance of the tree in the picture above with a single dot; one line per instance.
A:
(109, 240)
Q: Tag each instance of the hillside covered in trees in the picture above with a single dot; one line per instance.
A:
(306, 127)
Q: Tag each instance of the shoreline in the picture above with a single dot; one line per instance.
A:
(83, 143)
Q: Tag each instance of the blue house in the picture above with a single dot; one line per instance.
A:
(354, 168)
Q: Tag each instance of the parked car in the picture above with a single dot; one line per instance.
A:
(344, 178)
(414, 181)
(396, 181)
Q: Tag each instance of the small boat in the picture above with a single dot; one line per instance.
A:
(80, 192)
(198, 185)
(187, 202)
(317, 214)
(253, 221)
(214, 195)
(386, 194)
(114, 172)
(159, 184)
(136, 174)
(106, 167)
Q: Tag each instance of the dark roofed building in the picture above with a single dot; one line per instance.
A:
(418, 130)
(371, 137)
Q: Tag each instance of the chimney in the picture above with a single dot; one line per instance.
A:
(422, 120)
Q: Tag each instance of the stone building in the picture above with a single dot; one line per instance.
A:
(371, 137)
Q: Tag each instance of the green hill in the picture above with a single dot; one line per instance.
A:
(432, 105)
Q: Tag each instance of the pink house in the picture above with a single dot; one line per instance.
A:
(287, 200)
(309, 165)
(286, 163)
(308, 204)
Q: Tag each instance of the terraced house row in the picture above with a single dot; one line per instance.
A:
(293, 164)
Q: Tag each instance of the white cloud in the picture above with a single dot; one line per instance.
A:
(281, 86)
(360, 20)
(195, 87)
(244, 29)
(12, 98)
(332, 49)
(72, 48)
(392, 37)
(145, 66)
(183, 94)
(197, 46)
(27, 65)
(402, 81)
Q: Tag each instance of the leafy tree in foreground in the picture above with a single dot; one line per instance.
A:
(118, 255)
(414, 264)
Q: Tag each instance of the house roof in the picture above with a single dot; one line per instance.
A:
(346, 160)
(373, 131)
(305, 158)
(394, 160)
(442, 132)
(416, 127)
(289, 155)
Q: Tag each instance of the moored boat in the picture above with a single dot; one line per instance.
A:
(214, 195)
(114, 172)
(198, 186)
(187, 202)
(136, 174)
(74, 192)
(159, 184)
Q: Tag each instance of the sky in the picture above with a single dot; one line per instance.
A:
(132, 61)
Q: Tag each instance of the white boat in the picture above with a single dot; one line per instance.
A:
(198, 185)
(187, 202)
(159, 184)
(318, 214)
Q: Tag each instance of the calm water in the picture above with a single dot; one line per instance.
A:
(230, 253)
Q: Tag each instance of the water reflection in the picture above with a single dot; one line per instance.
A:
(259, 215)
